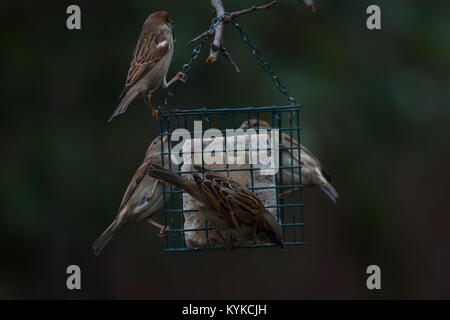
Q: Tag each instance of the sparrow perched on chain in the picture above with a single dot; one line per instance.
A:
(226, 204)
(150, 62)
(313, 173)
(142, 199)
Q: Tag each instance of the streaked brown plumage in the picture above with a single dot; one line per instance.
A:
(142, 199)
(313, 173)
(150, 62)
(226, 204)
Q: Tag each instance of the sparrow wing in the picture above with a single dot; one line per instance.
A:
(248, 208)
(326, 174)
(218, 178)
(222, 180)
(135, 181)
(150, 48)
(250, 211)
(310, 154)
(289, 139)
(286, 142)
(234, 204)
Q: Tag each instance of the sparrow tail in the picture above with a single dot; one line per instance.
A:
(131, 94)
(274, 231)
(330, 192)
(168, 176)
(101, 241)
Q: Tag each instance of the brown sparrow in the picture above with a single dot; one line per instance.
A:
(142, 199)
(225, 203)
(313, 173)
(150, 62)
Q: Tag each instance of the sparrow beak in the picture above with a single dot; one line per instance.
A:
(244, 125)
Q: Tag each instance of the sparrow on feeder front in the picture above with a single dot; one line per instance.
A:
(142, 199)
(150, 62)
(226, 204)
(313, 173)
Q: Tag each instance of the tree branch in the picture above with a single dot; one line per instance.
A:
(254, 8)
(218, 36)
(201, 36)
(227, 56)
(217, 44)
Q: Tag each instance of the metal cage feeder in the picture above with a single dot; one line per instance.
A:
(185, 228)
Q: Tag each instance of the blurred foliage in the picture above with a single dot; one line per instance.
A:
(376, 112)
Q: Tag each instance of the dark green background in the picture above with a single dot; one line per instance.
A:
(376, 112)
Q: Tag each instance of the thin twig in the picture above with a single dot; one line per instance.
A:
(309, 4)
(254, 8)
(227, 56)
(201, 36)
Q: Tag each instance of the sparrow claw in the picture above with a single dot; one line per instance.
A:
(162, 229)
(163, 233)
(229, 247)
(182, 77)
(155, 114)
(285, 193)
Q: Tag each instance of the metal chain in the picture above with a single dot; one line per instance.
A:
(265, 65)
(244, 35)
(195, 53)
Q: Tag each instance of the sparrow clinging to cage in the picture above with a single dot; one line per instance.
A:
(150, 62)
(312, 172)
(142, 199)
(226, 204)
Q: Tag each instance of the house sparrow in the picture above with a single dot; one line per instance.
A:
(150, 62)
(142, 199)
(225, 203)
(313, 173)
